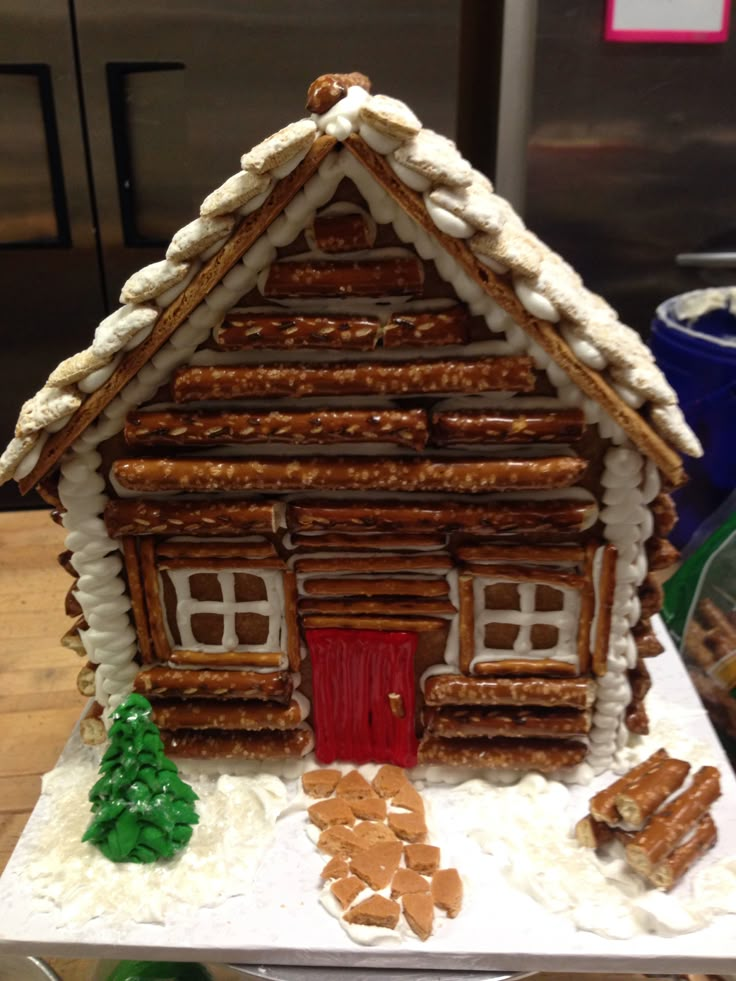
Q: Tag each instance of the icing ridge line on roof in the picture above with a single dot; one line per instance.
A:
(460, 203)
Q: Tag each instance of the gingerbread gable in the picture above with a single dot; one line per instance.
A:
(362, 443)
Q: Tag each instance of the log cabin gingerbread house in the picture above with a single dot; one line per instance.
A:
(361, 466)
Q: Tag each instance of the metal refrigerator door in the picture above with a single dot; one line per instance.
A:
(630, 154)
(49, 271)
(191, 86)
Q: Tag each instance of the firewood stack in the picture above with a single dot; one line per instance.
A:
(662, 837)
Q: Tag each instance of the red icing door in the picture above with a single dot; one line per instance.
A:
(363, 695)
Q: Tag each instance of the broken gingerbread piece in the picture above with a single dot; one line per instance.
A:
(346, 890)
(320, 783)
(422, 858)
(377, 864)
(409, 799)
(368, 808)
(447, 891)
(389, 780)
(419, 912)
(341, 842)
(407, 881)
(336, 868)
(373, 833)
(408, 825)
(354, 786)
(375, 911)
(326, 813)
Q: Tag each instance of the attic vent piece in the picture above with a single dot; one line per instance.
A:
(377, 277)
(326, 90)
(343, 232)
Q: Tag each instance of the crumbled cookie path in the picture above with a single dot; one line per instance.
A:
(376, 833)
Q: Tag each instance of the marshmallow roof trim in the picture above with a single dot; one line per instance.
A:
(459, 201)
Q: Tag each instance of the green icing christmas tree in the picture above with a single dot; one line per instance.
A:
(142, 810)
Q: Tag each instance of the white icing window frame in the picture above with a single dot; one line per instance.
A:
(186, 606)
(565, 620)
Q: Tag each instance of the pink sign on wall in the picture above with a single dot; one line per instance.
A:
(679, 21)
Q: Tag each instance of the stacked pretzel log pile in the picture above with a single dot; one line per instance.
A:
(381, 864)
(662, 837)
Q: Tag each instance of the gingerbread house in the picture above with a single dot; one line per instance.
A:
(362, 467)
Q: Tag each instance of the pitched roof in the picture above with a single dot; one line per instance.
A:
(426, 175)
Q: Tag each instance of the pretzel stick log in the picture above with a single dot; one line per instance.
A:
(671, 869)
(263, 745)
(455, 689)
(603, 804)
(534, 518)
(427, 329)
(71, 603)
(661, 554)
(409, 606)
(432, 561)
(367, 542)
(499, 426)
(241, 331)
(91, 727)
(522, 666)
(375, 587)
(636, 718)
(229, 659)
(527, 573)
(640, 681)
(399, 427)
(343, 232)
(387, 622)
(403, 276)
(651, 596)
(131, 517)
(470, 721)
(521, 553)
(606, 588)
(647, 643)
(71, 639)
(544, 755)
(136, 591)
(273, 686)
(667, 828)
(665, 514)
(505, 374)
(65, 561)
(637, 802)
(149, 474)
(466, 627)
(250, 551)
(213, 713)
(593, 834)
(86, 680)
(291, 620)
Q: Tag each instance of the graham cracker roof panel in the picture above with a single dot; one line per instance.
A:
(424, 173)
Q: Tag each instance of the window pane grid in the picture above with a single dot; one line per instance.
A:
(526, 616)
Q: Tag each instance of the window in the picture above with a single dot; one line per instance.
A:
(227, 609)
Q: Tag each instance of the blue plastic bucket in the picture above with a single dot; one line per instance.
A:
(694, 342)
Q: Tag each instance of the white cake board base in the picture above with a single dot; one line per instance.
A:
(280, 919)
